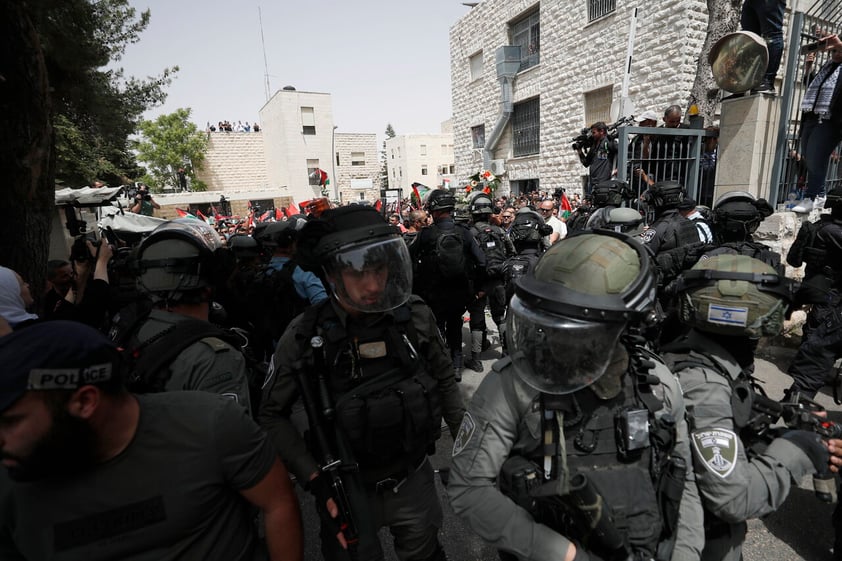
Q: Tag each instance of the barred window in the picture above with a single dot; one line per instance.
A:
(599, 8)
(526, 33)
(525, 128)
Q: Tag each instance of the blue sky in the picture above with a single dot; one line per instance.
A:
(381, 61)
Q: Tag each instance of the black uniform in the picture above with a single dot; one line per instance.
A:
(818, 245)
(447, 297)
(670, 230)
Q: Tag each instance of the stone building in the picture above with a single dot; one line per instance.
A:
(357, 167)
(421, 158)
(573, 61)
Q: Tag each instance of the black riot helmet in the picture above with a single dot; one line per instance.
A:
(363, 258)
(481, 204)
(440, 199)
(738, 214)
(568, 313)
(664, 195)
(528, 227)
(834, 201)
(610, 193)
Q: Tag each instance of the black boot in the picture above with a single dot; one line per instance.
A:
(457, 366)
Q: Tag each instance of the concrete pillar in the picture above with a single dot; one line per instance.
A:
(747, 145)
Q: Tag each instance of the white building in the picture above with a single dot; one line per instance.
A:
(420, 158)
(357, 167)
(573, 61)
(298, 140)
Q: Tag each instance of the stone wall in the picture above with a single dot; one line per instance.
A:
(235, 161)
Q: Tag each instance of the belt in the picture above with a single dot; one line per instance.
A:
(395, 481)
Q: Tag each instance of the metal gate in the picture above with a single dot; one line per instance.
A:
(789, 169)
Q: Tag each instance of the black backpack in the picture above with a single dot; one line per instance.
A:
(515, 267)
(274, 302)
(449, 252)
(493, 244)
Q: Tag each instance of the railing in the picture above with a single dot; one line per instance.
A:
(650, 154)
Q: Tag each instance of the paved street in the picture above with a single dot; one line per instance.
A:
(799, 530)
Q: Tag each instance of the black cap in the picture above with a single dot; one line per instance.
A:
(54, 355)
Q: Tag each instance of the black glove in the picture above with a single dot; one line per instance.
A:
(812, 445)
(321, 488)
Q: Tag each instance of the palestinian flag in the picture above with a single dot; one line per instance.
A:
(419, 191)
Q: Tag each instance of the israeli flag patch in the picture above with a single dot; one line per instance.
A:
(728, 315)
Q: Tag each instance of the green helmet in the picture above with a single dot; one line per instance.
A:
(179, 256)
(567, 315)
(734, 295)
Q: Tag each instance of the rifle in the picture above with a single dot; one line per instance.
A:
(337, 463)
(801, 413)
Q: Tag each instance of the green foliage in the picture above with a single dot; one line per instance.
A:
(168, 143)
(384, 161)
(95, 109)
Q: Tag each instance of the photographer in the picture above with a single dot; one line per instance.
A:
(597, 153)
(144, 203)
(87, 298)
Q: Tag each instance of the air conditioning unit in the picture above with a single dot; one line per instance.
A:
(498, 167)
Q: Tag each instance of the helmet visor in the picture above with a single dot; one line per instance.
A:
(556, 354)
(372, 277)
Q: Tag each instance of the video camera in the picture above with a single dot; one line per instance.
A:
(584, 140)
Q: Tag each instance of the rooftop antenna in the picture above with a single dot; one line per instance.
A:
(265, 64)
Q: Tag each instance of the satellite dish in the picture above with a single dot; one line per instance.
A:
(623, 107)
(738, 61)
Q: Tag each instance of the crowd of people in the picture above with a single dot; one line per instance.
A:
(227, 126)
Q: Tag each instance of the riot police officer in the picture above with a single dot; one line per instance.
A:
(581, 426)
(736, 217)
(728, 301)
(179, 266)
(607, 196)
(819, 245)
(449, 272)
(497, 247)
(670, 229)
(384, 385)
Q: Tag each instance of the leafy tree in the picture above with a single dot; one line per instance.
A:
(66, 117)
(384, 161)
(723, 18)
(168, 143)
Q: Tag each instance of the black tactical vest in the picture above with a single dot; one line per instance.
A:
(386, 401)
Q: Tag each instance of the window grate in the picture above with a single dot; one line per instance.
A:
(526, 33)
(526, 128)
(599, 8)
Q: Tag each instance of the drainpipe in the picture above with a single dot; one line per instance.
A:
(508, 64)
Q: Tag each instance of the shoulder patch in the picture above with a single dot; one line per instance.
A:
(648, 235)
(717, 450)
(466, 431)
(216, 344)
